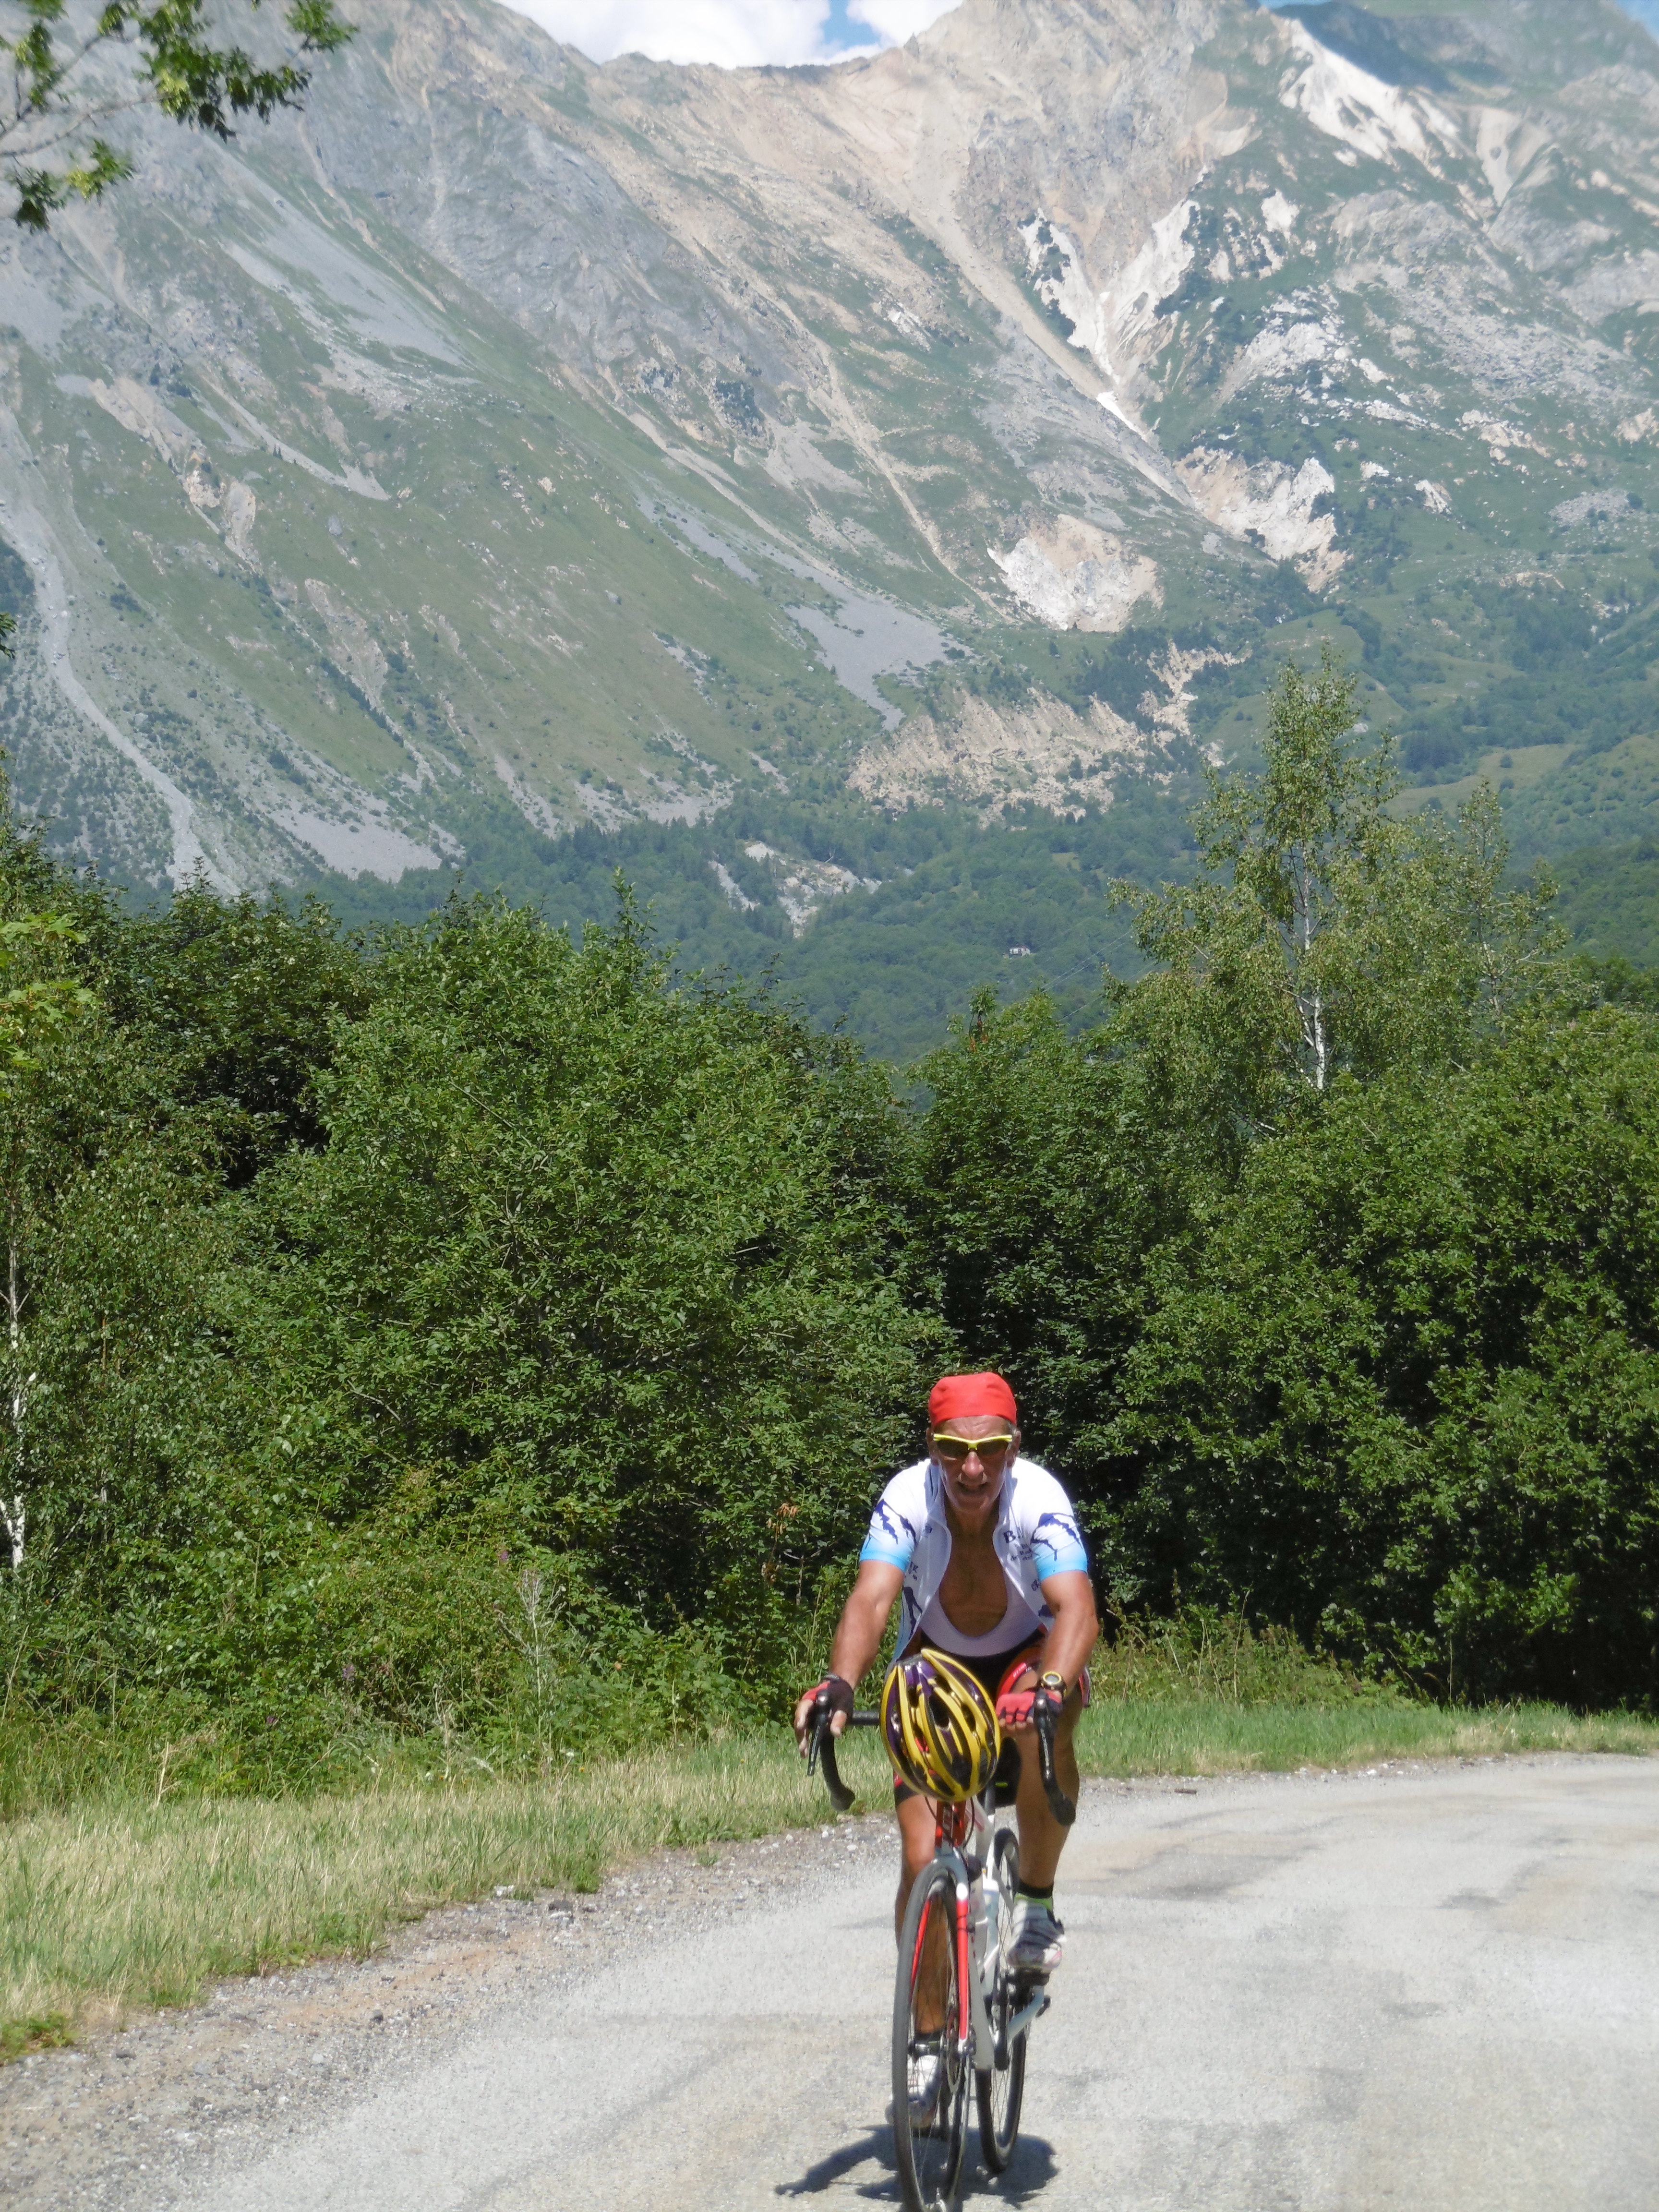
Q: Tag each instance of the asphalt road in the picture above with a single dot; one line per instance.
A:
(1428, 1988)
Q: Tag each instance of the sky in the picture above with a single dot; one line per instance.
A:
(736, 34)
(741, 34)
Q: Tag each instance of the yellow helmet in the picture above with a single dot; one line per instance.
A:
(940, 1727)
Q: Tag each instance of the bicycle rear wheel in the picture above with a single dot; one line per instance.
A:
(930, 2130)
(999, 2087)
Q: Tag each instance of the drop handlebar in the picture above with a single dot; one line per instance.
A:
(821, 1751)
(822, 1748)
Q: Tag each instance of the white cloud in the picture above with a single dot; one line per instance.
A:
(734, 34)
(893, 22)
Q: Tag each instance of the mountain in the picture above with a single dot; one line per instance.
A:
(859, 498)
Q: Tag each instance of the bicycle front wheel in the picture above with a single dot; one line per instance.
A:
(999, 2087)
(930, 2054)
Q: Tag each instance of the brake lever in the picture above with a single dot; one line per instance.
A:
(1063, 1807)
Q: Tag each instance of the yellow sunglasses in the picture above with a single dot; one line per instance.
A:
(949, 1446)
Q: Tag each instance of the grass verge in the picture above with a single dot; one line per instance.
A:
(1213, 1736)
(121, 1902)
(122, 1899)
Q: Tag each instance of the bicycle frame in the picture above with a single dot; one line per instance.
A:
(952, 1827)
(977, 1955)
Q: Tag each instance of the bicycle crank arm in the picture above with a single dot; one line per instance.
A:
(1030, 2012)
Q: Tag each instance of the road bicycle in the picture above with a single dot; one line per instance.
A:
(959, 2008)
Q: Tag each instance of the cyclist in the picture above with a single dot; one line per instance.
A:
(982, 1548)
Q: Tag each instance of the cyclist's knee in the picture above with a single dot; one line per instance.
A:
(916, 1821)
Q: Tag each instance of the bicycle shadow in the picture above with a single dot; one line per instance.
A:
(1031, 2170)
(874, 2145)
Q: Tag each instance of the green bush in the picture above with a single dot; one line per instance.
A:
(1406, 1396)
(554, 1271)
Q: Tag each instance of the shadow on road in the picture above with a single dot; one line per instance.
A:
(1030, 2171)
(875, 2144)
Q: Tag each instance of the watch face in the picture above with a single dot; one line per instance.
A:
(1053, 1681)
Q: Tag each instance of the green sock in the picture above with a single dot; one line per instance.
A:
(1029, 1890)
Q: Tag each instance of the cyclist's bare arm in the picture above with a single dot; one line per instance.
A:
(1071, 1599)
(859, 1633)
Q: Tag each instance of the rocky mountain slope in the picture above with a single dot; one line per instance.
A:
(512, 444)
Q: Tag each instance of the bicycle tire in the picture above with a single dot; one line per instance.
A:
(927, 1992)
(999, 2090)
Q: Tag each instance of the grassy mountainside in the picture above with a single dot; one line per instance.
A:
(514, 449)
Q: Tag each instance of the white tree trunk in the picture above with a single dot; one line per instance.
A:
(1310, 1005)
(12, 1514)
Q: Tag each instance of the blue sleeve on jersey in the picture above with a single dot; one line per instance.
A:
(1057, 1546)
(891, 1536)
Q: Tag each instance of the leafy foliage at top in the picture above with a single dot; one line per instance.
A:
(68, 81)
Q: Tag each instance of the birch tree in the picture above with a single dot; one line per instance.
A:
(1326, 933)
(38, 1001)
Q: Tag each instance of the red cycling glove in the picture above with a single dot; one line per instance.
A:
(1015, 1708)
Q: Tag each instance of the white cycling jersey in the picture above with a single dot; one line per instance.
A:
(1036, 1535)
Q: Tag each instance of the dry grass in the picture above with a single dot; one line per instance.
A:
(122, 1900)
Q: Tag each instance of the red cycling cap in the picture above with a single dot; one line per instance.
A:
(960, 1397)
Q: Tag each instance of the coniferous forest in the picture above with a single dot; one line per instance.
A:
(459, 1325)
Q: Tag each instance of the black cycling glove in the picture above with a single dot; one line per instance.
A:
(838, 1693)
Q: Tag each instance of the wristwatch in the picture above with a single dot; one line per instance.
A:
(1055, 1683)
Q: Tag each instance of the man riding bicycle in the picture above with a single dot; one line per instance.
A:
(982, 1549)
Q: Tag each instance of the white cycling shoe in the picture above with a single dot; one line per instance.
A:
(1036, 1940)
(927, 2079)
